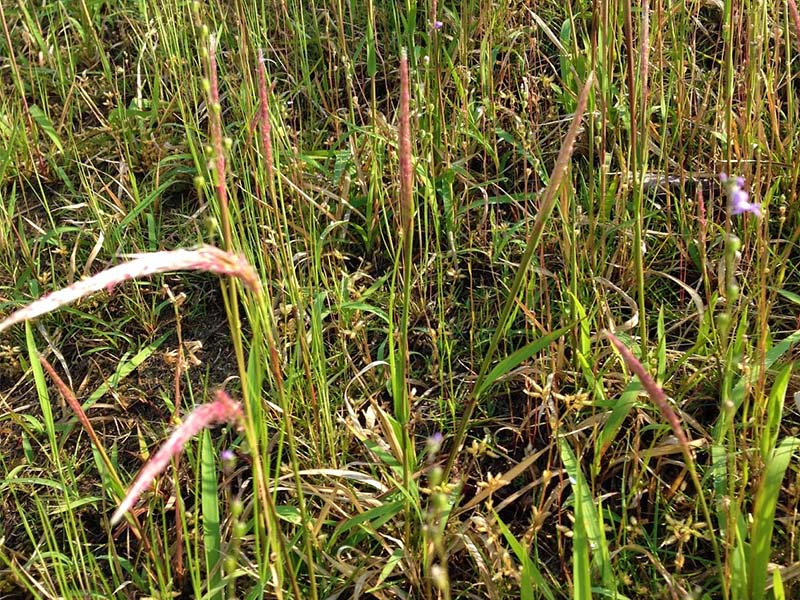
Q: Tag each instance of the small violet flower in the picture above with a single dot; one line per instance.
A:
(434, 443)
(738, 198)
(438, 24)
(227, 456)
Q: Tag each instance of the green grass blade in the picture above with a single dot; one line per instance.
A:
(209, 499)
(590, 516)
(517, 358)
(581, 566)
(41, 390)
(764, 515)
(124, 368)
(621, 410)
(778, 593)
(44, 123)
(531, 577)
(777, 396)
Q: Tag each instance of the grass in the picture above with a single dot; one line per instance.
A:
(508, 339)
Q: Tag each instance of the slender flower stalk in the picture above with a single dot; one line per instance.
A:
(437, 24)
(404, 149)
(205, 258)
(222, 410)
(266, 124)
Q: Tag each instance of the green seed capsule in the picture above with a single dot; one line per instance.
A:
(237, 508)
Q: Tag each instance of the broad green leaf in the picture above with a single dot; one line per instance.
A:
(288, 513)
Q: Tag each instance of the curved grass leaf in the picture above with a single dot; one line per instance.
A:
(531, 577)
(777, 395)
(764, 515)
(590, 517)
(515, 359)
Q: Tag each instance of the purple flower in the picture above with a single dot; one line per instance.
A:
(434, 443)
(738, 198)
(438, 24)
(227, 456)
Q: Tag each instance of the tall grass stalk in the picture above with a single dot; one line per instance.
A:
(398, 347)
(231, 296)
(546, 207)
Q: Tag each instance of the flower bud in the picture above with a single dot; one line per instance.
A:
(239, 529)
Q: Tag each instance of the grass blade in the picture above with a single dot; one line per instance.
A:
(590, 520)
(531, 577)
(581, 568)
(517, 358)
(209, 500)
(764, 515)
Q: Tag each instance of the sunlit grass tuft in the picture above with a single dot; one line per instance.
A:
(432, 213)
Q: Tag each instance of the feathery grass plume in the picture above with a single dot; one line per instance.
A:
(215, 126)
(215, 120)
(653, 390)
(404, 149)
(205, 258)
(795, 19)
(266, 124)
(222, 410)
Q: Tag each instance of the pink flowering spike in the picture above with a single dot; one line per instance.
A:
(222, 410)
(266, 124)
(653, 390)
(205, 258)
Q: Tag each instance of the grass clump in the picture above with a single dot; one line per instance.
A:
(488, 321)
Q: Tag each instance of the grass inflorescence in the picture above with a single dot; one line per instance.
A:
(399, 300)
